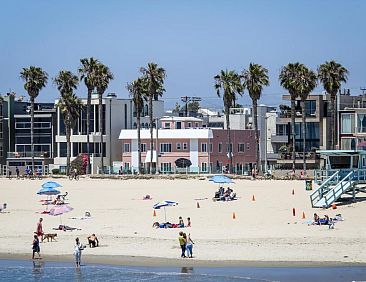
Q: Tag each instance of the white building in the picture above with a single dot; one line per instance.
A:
(117, 114)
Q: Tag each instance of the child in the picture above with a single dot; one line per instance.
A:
(188, 222)
(35, 246)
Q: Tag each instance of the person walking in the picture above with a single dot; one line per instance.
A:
(189, 246)
(35, 247)
(182, 243)
(17, 172)
(39, 230)
(77, 251)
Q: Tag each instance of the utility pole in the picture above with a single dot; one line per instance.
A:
(187, 99)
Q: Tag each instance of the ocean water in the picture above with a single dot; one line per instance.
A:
(16, 270)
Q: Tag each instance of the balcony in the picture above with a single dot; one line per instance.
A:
(19, 155)
(279, 138)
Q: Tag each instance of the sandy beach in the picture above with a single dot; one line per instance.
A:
(264, 230)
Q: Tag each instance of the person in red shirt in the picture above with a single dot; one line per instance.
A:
(39, 231)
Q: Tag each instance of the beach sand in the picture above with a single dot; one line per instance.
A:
(264, 230)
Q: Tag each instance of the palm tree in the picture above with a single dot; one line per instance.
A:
(255, 78)
(102, 78)
(290, 79)
(35, 79)
(227, 85)
(307, 85)
(87, 73)
(155, 77)
(138, 90)
(69, 105)
(331, 74)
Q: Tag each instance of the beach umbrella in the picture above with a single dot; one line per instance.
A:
(164, 204)
(48, 191)
(51, 184)
(182, 163)
(221, 179)
(60, 210)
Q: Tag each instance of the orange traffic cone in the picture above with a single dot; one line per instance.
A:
(293, 212)
(334, 206)
(198, 205)
(303, 215)
(234, 215)
(253, 198)
(154, 214)
(293, 191)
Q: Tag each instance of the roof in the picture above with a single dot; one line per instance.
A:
(341, 152)
(189, 133)
(180, 119)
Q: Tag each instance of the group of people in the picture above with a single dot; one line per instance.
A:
(326, 220)
(180, 224)
(186, 245)
(225, 195)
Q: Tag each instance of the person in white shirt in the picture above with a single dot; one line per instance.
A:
(77, 252)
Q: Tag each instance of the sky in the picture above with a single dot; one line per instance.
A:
(192, 40)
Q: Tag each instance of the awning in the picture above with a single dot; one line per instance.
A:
(148, 157)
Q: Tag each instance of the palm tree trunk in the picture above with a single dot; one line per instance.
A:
(229, 149)
(138, 141)
(32, 132)
(293, 113)
(88, 105)
(255, 117)
(151, 133)
(100, 112)
(332, 121)
(68, 150)
(303, 129)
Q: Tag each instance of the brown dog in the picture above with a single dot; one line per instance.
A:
(49, 236)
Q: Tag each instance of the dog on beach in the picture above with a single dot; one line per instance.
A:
(49, 236)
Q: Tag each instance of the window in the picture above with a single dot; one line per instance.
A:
(126, 147)
(166, 167)
(361, 123)
(185, 146)
(211, 147)
(196, 124)
(165, 147)
(1, 130)
(220, 147)
(204, 147)
(1, 150)
(310, 108)
(143, 147)
(241, 147)
(204, 167)
(248, 146)
(348, 123)
(63, 150)
(127, 166)
(179, 146)
(348, 144)
(189, 124)
(167, 125)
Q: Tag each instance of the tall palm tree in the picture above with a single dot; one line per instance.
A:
(331, 74)
(155, 77)
(87, 74)
(69, 105)
(308, 80)
(255, 78)
(138, 90)
(35, 79)
(103, 77)
(227, 85)
(290, 79)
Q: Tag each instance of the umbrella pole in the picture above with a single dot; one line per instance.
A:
(165, 214)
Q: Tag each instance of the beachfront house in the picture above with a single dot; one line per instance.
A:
(188, 138)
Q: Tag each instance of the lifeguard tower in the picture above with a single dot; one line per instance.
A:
(344, 173)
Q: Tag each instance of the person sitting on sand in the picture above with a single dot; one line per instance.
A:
(93, 241)
(316, 219)
(181, 222)
(35, 246)
(147, 197)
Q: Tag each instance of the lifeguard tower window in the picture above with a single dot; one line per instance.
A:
(339, 162)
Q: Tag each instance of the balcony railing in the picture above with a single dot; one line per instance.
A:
(13, 155)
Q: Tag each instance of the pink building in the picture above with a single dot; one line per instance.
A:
(187, 137)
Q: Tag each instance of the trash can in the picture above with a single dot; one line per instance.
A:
(308, 185)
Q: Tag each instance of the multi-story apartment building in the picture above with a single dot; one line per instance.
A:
(16, 130)
(117, 114)
(189, 138)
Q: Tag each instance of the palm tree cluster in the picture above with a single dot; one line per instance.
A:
(297, 79)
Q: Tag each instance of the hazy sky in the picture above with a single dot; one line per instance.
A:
(192, 40)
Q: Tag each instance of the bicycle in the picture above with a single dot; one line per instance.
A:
(73, 176)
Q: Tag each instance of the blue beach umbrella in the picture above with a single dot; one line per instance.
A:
(51, 184)
(221, 179)
(164, 204)
(48, 191)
